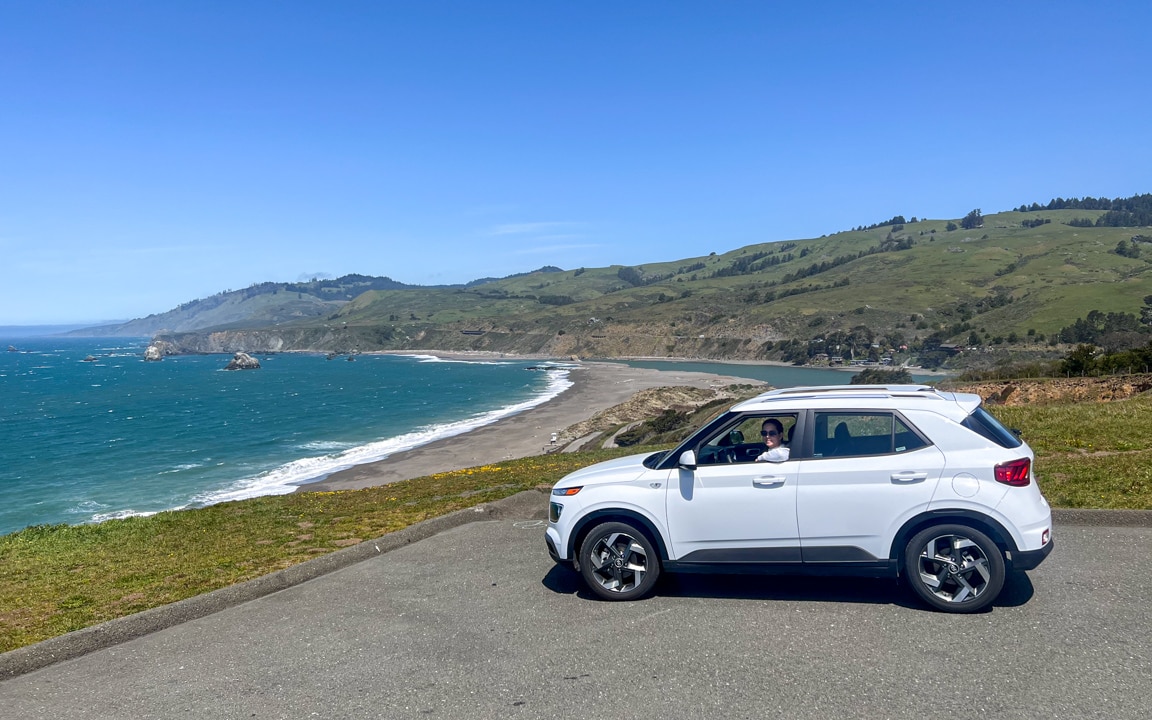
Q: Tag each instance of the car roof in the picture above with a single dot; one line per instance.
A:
(904, 397)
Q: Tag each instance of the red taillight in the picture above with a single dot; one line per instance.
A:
(1016, 473)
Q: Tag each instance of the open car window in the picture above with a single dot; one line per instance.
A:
(740, 441)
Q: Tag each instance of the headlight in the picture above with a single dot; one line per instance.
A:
(565, 492)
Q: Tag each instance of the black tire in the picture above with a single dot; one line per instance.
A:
(619, 562)
(954, 568)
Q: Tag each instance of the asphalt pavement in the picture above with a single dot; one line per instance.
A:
(474, 621)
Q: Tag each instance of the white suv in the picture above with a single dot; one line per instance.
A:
(894, 480)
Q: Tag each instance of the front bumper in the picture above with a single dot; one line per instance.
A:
(552, 538)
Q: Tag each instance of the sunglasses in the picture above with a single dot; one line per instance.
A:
(769, 433)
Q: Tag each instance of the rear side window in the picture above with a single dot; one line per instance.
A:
(981, 422)
(852, 434)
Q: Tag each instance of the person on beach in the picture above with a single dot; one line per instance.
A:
(773, 433)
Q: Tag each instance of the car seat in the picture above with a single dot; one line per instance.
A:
(843, 440)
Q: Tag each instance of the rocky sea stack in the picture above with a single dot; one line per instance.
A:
(243, 361)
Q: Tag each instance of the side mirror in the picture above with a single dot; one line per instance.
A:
(688, 460)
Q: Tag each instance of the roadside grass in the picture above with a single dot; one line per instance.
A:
(1089, 454)
(60, 578)
(1115, 482)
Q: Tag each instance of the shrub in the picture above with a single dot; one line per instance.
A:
(878, 376)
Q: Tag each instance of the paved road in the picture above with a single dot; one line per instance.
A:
(475, 622)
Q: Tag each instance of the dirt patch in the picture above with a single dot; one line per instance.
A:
(1053, 390)
(647, 404)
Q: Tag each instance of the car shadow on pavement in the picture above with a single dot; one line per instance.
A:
(1017, 591)
(565, 581)
(882, 591)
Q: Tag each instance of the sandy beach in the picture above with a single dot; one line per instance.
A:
(596, 386)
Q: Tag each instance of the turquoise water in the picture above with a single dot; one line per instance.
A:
(85, 441)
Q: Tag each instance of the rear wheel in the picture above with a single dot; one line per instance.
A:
(954, 568)
(619, 562)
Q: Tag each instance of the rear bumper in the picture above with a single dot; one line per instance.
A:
(1029, 559)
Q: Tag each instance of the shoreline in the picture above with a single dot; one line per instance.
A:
(596, 386)
(777, 363)
(488, 355)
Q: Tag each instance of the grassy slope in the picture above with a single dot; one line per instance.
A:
(55, 579)
(1055, 273)
(232, 309)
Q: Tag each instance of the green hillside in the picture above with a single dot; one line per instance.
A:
(1013, 280)
(901, 283)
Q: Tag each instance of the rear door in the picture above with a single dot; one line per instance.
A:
(866, 473)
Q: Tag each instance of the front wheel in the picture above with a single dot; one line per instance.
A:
(954, 568)
(619, 562)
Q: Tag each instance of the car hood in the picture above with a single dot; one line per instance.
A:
(619, 470)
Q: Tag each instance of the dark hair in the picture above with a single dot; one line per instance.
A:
(773, 421)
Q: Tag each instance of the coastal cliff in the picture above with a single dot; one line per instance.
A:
(619, 341)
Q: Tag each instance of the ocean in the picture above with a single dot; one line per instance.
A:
(90, 432)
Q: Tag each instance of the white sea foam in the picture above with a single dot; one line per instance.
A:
(325, 446)
(286, 478)
(122, 514)
(180, 468)
(85, 507)
(435, 359)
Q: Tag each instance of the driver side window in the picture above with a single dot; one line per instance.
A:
(741, 442)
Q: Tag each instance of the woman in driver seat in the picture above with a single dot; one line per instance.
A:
(773, 433)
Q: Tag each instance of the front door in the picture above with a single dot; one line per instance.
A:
(734, 510)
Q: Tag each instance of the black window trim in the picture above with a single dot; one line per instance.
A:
(732, 419)
(810, 438)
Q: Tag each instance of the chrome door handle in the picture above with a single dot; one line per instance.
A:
(769, 481)
(909, 477)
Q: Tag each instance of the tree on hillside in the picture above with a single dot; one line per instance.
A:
(1097, 324)
(1128, 249)
(1081, 361)
(1132, 211)
(972, 220)
(631, 275)
(1146, 311)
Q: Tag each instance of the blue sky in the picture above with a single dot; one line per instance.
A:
(155, 152)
